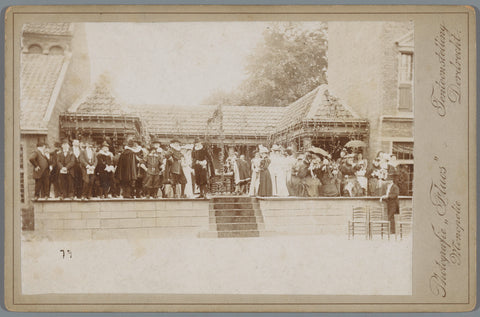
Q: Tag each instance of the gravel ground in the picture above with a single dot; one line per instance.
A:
(317, 265)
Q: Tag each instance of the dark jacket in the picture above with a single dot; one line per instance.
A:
(393, 206)
(39, 160)
(67, 161)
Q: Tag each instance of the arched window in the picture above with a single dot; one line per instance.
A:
(56, 50)
(35, 49)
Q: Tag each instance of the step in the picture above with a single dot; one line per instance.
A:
(236, 226)
(232, 199)
(232, 206)
(238, 219)
(235, 212)
(239, 234)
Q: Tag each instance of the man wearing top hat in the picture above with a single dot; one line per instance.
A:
(65, 163)
(41, 170)
(88, 162)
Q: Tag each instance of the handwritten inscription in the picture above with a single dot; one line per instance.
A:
(449, 248)
(446, 90)
(66, 253)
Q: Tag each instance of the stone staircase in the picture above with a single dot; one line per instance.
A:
(235, 217)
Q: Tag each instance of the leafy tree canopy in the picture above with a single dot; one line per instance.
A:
(289, 62)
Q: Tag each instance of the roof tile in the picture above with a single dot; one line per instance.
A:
(38, 77)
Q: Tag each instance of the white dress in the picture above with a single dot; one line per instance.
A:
(277, 173)
(187, 171)
(255, 177)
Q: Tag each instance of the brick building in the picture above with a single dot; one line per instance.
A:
(55, 71)
(370, 65)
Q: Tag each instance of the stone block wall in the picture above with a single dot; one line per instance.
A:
(298, 216)
(117, 219)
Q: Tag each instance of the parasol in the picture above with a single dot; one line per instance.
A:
(355, 143)
(318, 150)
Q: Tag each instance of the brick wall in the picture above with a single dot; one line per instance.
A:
(363, 71)
(117, 219)
(314, 215)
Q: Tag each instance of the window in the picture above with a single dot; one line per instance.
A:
(404, 153)
(35, 49)
(405, 79)
(403, 150)
(405, 179)
(56, 50)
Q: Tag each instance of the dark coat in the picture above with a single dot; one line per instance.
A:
(67, 161)
(202, 174)
(102, 161)
(39, 160)
(393, 205)
(53, 163)
(175, 165)
(153, 163)
(127, 166)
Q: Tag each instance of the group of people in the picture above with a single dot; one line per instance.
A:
(82, 170)
(313, 173)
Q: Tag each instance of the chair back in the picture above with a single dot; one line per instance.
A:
(376, 214)
(406, 210)
(406, 216)
(360, 214)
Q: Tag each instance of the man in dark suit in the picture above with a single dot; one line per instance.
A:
(391, 199)
(41, 170)
(77, 169)
(54, 169)
(88, 162)
(65, 163)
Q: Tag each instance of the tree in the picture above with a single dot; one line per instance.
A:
(287, 64)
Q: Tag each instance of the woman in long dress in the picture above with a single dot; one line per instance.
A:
(187, 170)
(255, 179)
(265, 179)
(360, 172)
(277, 171)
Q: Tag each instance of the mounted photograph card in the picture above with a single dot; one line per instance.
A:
(240, 158)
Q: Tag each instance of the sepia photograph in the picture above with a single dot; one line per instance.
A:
(237, 144)
(236, 157)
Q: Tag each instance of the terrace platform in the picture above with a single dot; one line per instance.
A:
(219, 216)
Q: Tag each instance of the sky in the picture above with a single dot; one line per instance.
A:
(179, 63)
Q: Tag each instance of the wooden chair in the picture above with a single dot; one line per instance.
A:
(378, 223)
(403, 222)
(359, 222)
